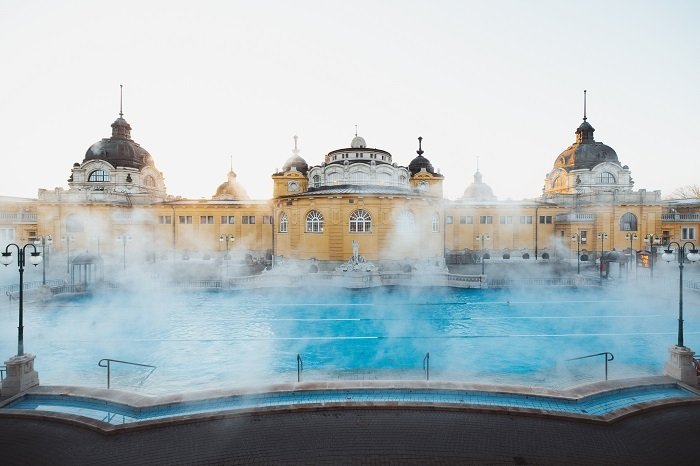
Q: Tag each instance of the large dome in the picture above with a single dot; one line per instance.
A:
(120, 150)
(585, 153)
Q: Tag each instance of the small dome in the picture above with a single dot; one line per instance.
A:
(358, 142)
(230, 189)
(478, 190)
(120, 150)
(420, 162)
(585, 152)
(296, 161)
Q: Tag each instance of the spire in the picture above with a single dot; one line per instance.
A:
(121, 99)
(120, 128)
(355, 130)
(584, 133)
(295, 151)
(420, 143)
(477, 163)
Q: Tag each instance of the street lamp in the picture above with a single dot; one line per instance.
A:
(631, 237)
(227, 239)
(34, 259)
(43, 241)
(602, 237)
(482, 237)
(577, 238)
(692, 257)
(124, 239)
(652, 239)
(67, 239)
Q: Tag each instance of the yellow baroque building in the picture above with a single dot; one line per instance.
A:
(356, 199)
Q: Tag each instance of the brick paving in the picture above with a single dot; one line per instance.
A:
(364, 436)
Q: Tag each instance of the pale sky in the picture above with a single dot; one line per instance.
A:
(204, 81)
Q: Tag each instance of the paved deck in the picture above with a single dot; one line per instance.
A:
(380, 436)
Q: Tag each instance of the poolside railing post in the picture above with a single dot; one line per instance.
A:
(426, 365)
(108, 361)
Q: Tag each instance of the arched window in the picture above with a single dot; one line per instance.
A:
(314, 222)
(359, 178)
(360, 221)
(98, 176)
(628, 222)
(405, 221)
(606, 178)
(436, 222)
(316, 181)
(402, 179)
(283, 222)
(333, 178)
(149, 181)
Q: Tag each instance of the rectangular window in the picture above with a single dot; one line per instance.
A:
(687, 233)
(267, 220)
(448, 220)
(584, 236)
(228, 220)
(546, 219)
(486, 219)
(7, 235)
(248, 219)
(466, 219)
(185, 219)
(165, 219)
(506, 219)
(206, 220)
(526, 219)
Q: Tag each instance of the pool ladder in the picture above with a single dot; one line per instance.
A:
(426, 365)
(608, 357)
(300, 367)
(107, 362)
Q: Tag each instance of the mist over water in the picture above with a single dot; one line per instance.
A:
(228, 339)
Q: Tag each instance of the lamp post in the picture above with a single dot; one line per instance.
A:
(577, 238)
(124, 239)
(652, 239)
(228, 238)
(482, 237)
(631, 237)
(67, 239)
(34, 259)
(692, 257)
(43, 241)
(602, 237)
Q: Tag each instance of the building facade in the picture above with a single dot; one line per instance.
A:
(395, 214)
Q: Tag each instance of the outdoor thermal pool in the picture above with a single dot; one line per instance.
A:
(205, 339)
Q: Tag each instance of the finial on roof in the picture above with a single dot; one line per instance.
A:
(584, 105)
(296, 147)
(355, 130)
(231, 156)
(420, 143)
(477, 163)
(121, 98)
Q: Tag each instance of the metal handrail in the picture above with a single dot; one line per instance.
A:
(300, 367)
(426, 365)
(608, 357)
(3, 370)
(102, 363)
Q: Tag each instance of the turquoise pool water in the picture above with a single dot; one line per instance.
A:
(115, 413)
(202, 340)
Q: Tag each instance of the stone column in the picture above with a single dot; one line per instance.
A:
(680, 365)
(20, 375)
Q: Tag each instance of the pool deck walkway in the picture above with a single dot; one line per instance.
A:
(381, 435)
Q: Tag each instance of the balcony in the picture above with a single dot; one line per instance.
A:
(680, 218)
(574, 217)
(18, 217)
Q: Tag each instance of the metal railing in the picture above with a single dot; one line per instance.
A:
(107, 363)
(7, 289)
(426, 365)
(3, 371)
(608, 357)
(300, 367)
